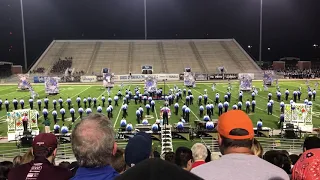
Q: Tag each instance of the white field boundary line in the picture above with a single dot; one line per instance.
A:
(155, 111)
(6, 89)
(114, 125)
(66, 101)
(312, 101)
(97, 100)
(190, 108)
(236, 98)
(292, 99)
(27, 105)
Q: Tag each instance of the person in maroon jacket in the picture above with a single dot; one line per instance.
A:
(44, 148)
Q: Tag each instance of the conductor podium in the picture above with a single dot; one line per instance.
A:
(15, 124)
(297, 120)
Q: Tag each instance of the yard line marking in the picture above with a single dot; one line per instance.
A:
(236, 98)
(190, 108)
(66, 101)
(155, 110)
(6, 89)
(114, 125)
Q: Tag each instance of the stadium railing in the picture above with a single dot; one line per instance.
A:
(293, 146)
(64, 152)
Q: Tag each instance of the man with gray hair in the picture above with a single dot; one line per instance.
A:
(93, 145)
(199, 154)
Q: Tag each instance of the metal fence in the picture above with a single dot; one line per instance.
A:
(293, 146)
(64, 152)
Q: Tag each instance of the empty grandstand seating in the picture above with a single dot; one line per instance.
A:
(166, 56)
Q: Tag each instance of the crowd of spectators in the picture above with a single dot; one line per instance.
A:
(61, 65)
(38, 70)
(294, 73)
(99, 158)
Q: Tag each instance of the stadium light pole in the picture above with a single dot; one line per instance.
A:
(24, 37)
(260, 38)
(145, 20)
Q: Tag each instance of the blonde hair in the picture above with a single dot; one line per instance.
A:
(257, 148)
(27, 157)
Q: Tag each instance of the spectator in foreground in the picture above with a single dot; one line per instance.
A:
(199, 154)
(235, 138)
(44, 148)
(257, 148)
(279, 159)
(5, 168)
(118, 163)
(64, 164)
(311, 142)
(157, 169)
(74, 167)
(307, 167)
(208, 158)
(294, 158)
(184, 158)
(170, 157)
(17, 161)
(93, 145)
(138, 149)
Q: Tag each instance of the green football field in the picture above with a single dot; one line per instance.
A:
(73, 90)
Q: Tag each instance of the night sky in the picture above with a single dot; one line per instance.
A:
(290, 27)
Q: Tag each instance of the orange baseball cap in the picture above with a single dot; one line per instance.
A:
(232, 120)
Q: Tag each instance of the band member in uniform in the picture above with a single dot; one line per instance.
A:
(287, 94)
(78, 101)
(46, 103)
(226, 106)
(55, 114)
(85, 102)
(31, 103)
(80, 111)
(39, 104)
(187, 112)
(103, 99)
(199, 100)
(269, 96)
(54, 102)
(253, 105)
(239, 105)
(89, 101)
(248, 106)
(201, 109)
(240, 96)
(72, 111)
(69, 103)
(22, 103)
(62, 112)
(25, 120)
(220, 106)
(15, 103)
(60, 100)
(138, 114)
(269, 106)
(116, 98)
(7, 103)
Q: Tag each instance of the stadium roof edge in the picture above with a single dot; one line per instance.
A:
(148, 40)
(3, 62)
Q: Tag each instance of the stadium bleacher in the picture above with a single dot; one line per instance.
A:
(166, 56)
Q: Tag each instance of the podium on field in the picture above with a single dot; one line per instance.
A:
(297, 118)
(15, 124)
